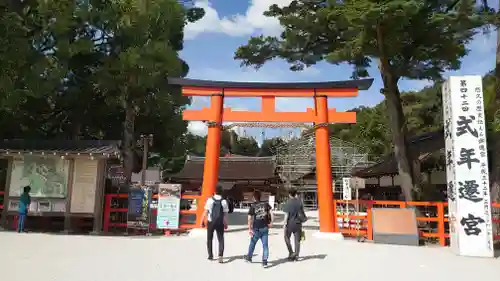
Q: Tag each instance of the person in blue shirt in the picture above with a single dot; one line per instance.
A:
(24, 205)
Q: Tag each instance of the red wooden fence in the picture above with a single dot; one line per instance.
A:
(434, 217)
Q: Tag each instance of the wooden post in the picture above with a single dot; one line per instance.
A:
(369, 227)
(441, 224)
(99, 196)
(107, 208)
(327, 208)
(67, 212)
(5, 211)
(212, 153)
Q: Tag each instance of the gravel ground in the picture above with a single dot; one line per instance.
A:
(44, 257)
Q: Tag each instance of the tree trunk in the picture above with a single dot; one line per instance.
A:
(397, 122)
(494, 138)
(128, 139)
(77, 131)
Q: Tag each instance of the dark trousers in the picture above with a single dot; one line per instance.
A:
(296, 230)
(20, 222)
(219, 229)
(261, 234)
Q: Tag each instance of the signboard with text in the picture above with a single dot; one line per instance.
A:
(346, 189)
(139, 200)
(467, 176)
(169, 203)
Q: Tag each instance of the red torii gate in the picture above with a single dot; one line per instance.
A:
(215, 115)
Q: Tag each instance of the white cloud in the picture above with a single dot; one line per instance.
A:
(237, 25)
(198, 128)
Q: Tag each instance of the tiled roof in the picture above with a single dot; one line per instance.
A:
(231, 168)
(420, 146)
(109, 147)
(360, 84)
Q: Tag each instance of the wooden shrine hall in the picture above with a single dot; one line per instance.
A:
(238, 175)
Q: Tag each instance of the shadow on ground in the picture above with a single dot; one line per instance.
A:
(278, 261)
(234, 258)
(301, 259)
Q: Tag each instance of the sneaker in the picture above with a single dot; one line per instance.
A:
(247, 258)
(221, 260)
(210, 258)
(292, 258)
(264, 263)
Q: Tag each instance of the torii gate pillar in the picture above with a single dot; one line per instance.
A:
(212, 153)
(321, 116)
(326, 206)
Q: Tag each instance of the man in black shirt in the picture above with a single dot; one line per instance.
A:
(259, 221)
(294, 217)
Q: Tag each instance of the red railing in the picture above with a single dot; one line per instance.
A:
(432, 222)
(109, 210)
(433, 219)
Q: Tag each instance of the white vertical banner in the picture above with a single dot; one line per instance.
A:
(450, 171)
(346, 189)
(271, 201)
(467, 179)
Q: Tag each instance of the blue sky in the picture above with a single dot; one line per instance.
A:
(210, 44)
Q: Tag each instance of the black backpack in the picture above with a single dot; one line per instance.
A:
(217, 214)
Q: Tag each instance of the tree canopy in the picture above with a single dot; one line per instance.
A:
(94, 70)
(414, 39)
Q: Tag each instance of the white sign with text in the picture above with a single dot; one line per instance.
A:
(346, 189)
(471, 232)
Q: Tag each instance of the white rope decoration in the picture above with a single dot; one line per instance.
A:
(273, 125)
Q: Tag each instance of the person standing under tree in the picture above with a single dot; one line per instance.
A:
(216, 212)
(260, 220)
(294, 218)
(24, 206)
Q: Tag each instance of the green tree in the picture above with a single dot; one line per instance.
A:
(246, 146)
(195, 144)
(492, 102)
(102, 62)
(229, 139)
(270, 146)
(23, 40)
(144, 38)
(414, 39)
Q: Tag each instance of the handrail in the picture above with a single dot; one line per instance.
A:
(440, 218)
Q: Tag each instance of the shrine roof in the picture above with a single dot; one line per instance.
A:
(420, 146)
(230, 168)
(360, 84)
(95, 147)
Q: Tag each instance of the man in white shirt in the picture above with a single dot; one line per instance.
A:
(216, 212)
